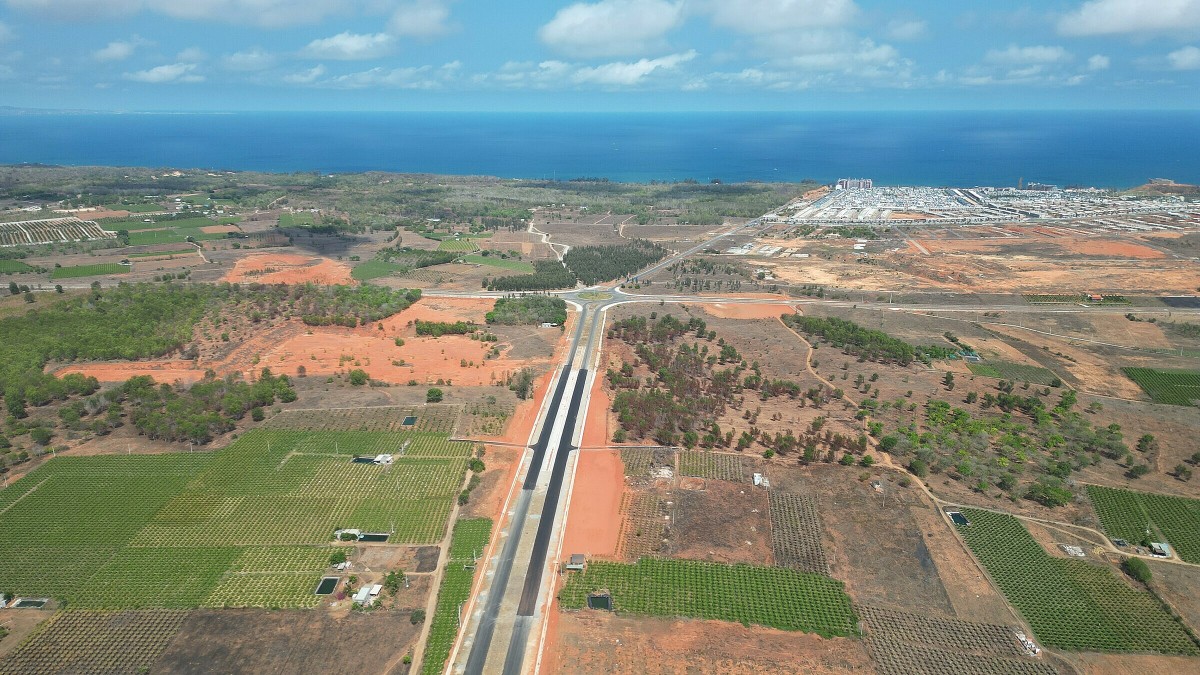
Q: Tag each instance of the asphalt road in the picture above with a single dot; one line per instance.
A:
(491, 610)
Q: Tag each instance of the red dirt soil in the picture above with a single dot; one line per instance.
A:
(1115, 249)
(219, 229)
(594, 518)
(289, 268)
(595, 426)
(320, 351)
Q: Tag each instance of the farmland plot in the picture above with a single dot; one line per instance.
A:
(767, 596)
(51, 231)
(710, 465)
(1128, 515)
(77, 641)
(796, 533)
(466, 546)
(1172, 387)
(245, 526)
(1070, 604)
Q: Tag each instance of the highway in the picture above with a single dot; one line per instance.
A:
(515, 591)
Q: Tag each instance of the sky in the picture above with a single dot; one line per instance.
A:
(605, 55)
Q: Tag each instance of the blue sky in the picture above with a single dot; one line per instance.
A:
(602, 55)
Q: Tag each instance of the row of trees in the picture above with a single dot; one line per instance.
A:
(869, 344)
(593, 264)
(548, 275)
(528, 310)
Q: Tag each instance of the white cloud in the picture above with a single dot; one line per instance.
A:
(907, 30)
(629, 74)
(1015, 55)
(249, 61)
(833, 50)
(1098, 62)
(119, 50)
(769, 16)
(1187, 58)
(170, 73)
(611, 27)
(350, 46)
(420, 77)
(192, 55)
(264, 13)
(1110, 17)
(422, 18)
(306, 76)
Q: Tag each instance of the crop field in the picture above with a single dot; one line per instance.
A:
(702, 464)
(466, 546)
(1172, 387)
(245, 526)
(1016, 372)
(457, 245)
(1073, 298)
(1127, 515)
(495, 261)
(88, 270)
(904, 642)
(14, 267)
(767, 596)
(637, 461)
(433, 419)
(796, 533)
(1070, 604)
(643, 524)
(50, 231)
(76, 641)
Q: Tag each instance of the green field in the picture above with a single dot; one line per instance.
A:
(1128, 515)
(1172, 387)
(492, 261)
(1073, 298)
(88, 270)
(1070, 604)
(466, 546)
(457, 245)
(300, 219)
(768, 596)
(1017, 372)
(374, 269)
(160, 254)
(14, 267)
(249, 525)
(135, 208)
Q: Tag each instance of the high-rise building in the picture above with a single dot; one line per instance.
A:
(855, 184)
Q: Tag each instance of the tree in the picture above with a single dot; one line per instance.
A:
(29, 297)
(1138, 471)
(847, 460)
(1138, 569)
(1147, 443)
(1182, 472)
(1049, 494)
(58, 288)
(41, 435)
(434, 395)
(359, 377)
(919, 468)
(948, 381)
(13, 288)
(867, 461)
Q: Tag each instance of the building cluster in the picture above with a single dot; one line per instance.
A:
(854, 184)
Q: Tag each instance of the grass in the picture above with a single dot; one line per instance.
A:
(492, 261)
(1016, 372)
(14, 267)
(374, 269)
(88, 270)
(299, 219)
(466, 545)
(1071, 604)
(767, 596)
(457, 245)
(245, 526)
(1126, 514)
(1172, 387)
(160, 254)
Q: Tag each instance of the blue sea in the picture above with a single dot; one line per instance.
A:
(1103, 149)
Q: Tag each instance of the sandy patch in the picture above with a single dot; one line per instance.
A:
(1129, 664)
(472, 310)
(603, 642)
(726, 310)
(1097, 375)
(289, 268)
(594, 518)
(596, 432)
(1133, 333)
(98, 215)
(185, 372)
(219, 229)
(1109, 248)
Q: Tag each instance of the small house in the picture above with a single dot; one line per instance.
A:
(1160, 549)
(383, 460)
(362, 595)
(376, 589)
(577, 562)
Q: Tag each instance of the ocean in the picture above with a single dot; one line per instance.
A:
(962, 149)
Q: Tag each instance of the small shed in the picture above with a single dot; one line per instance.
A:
(577, 562)
(376, 589)
(1160, 549)
(362, 595)
(383, 460)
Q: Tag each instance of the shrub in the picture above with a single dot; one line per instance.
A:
(434, 395)
(1137, 569)
(359, 377)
